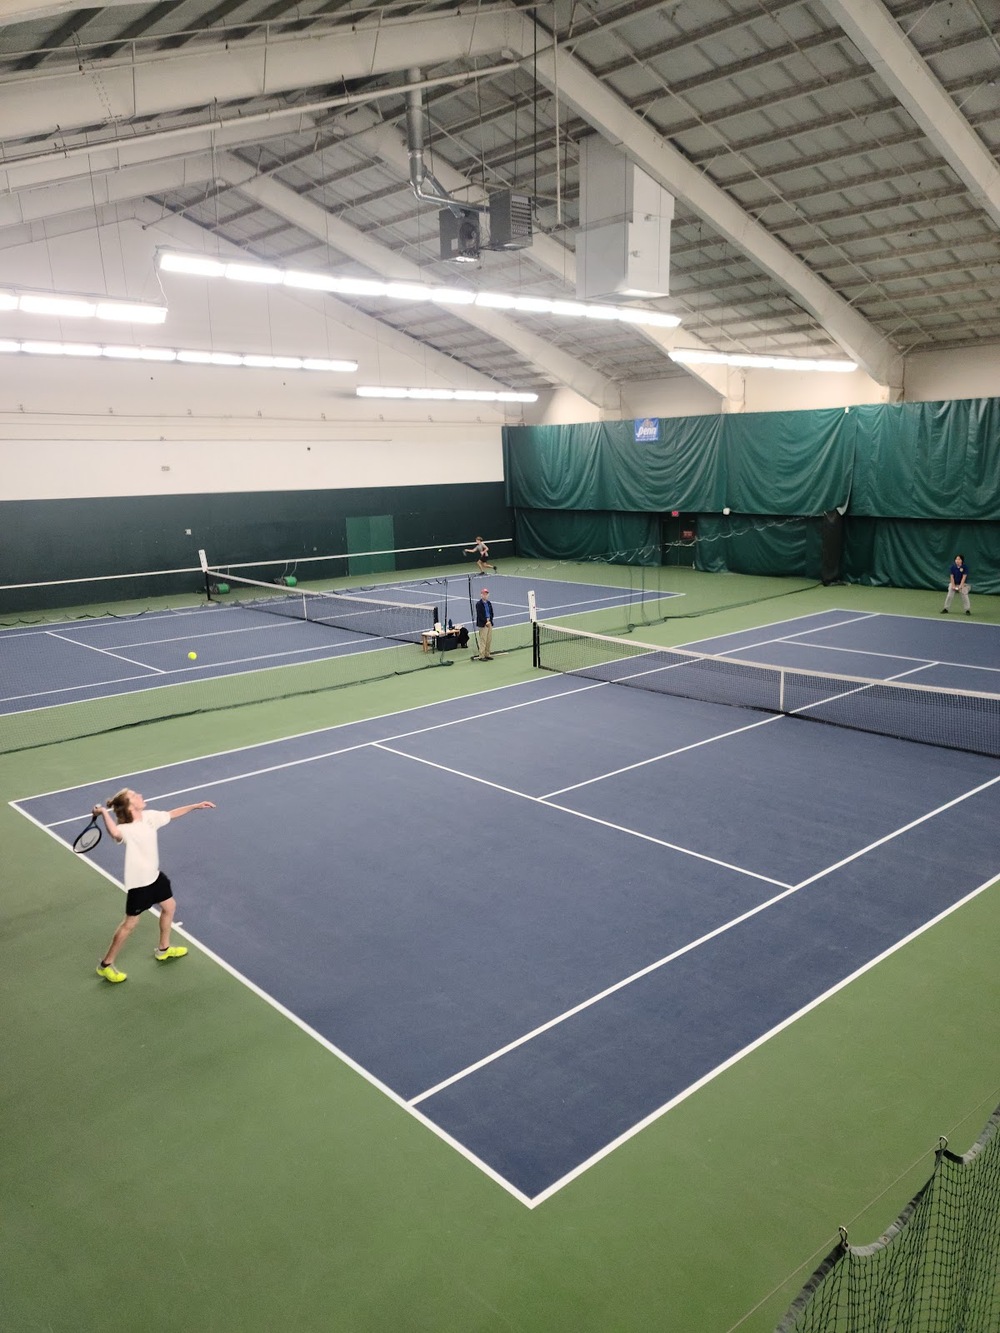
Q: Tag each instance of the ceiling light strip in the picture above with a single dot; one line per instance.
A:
(694, 356)
(186, 356)
(240, 271)
(447, 395)
(66, 305)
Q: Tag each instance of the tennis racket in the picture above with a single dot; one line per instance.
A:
(89, 838)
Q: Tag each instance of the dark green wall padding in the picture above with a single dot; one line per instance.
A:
(93, 537)
(920, 482)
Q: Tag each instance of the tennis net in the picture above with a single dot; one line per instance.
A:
(957, 719)
(936, 1269)
(357, 612)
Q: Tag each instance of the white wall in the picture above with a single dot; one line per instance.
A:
(90, 427)
(973, 372)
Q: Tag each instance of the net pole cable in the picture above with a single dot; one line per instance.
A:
(956, 719)
(936, 1269)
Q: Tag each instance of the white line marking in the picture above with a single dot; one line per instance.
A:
(64, 638)
(601, 995)
(888, 837)
(311, 1032)
(313, 758)
(580, 814)
(754, 1045)
(668, 754)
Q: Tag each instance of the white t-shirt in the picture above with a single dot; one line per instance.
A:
(142, 852)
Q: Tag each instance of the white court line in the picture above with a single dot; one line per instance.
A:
(273, 622)
(888, 837)
(788, 638)
(314, 758)
(580, 814)
(300, 735)
(791, 620)
(697, 943)
(326, 650)
(309, 1031)
(667, 754)
(64, 638)
(601, 995)
(753, 1046)
(898, 657)
(100, 622)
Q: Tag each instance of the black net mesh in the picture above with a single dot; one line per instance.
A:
(359, 613)
(935, 1270)
(958, 719)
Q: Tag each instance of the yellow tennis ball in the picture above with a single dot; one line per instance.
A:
(192, 657)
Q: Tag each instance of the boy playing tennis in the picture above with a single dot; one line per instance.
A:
(129, 821)
(482, 553)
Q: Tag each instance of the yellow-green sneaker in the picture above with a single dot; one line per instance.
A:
(109, 972)
(175, 951)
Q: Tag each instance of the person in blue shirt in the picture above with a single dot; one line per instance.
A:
(484, 626)
(958, 582)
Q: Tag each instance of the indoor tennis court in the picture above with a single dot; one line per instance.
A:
(531, 1046)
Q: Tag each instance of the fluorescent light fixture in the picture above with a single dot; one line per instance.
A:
(411, 291)
(130, 313)
(204, 268)
(60, 306)
(447, 395)
(696, 356)
(254, 273)
(189, 356)
(70, 306)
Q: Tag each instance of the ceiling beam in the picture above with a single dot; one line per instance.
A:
(25, 11)
(903, 70)
(106, 92)
(556, 364)
(46, 201)
(610, 116)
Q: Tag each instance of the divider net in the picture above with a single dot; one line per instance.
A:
(956, 719)
(357, 612)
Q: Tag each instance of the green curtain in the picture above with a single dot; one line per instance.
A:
(759, 545)
(601, 466)
(928, 460)
(626, 539)
(914, 553)
(894, 460)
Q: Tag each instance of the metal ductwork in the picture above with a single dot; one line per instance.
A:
(415, 149)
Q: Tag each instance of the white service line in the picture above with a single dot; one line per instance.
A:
(64, 638)
(314, 758)
(668, 754)
(580, 814)
(888, 837)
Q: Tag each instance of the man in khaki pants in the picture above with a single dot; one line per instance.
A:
(484, 626)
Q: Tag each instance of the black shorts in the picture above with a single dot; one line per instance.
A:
(138, 901)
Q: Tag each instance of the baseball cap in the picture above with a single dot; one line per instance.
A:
(486, 592)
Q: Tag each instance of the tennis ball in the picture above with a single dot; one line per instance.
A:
(726, 510)
(192, 657)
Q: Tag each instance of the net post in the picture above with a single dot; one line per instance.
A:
(203, 561)
(535, 642)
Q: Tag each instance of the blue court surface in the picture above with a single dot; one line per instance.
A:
(65, 662)
(541, 916)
